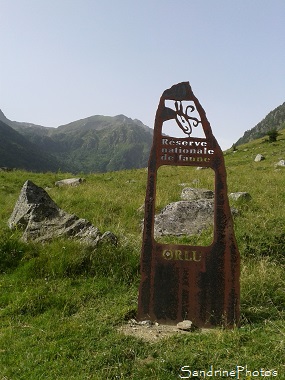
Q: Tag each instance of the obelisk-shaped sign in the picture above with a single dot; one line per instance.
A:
(178, 282)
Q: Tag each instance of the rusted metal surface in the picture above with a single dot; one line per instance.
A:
(180, 281)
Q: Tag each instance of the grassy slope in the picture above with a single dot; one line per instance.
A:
(61, 304)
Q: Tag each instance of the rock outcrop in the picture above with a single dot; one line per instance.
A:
(42, 220)
(184, 218)
(193, 214)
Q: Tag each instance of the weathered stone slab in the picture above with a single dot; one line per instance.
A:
(42, 220)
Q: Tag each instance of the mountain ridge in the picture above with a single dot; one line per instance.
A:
(16, 151)
(101, 143)
(274, 120)
(94, 144)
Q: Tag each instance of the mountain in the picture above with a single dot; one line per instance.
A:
(16, 151)
(93, 144)
(274, 120)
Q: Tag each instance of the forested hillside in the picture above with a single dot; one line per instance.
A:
(94, 144)
(16, 151)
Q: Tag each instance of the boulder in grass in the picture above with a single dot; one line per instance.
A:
(184, 218)
(42, 220)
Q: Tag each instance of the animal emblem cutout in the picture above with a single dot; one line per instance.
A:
(185, 121)
(183, 117)
(173, 285)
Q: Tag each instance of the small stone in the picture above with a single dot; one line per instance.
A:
(240, 195)
(281, 163)
(259, 158)
(70, 182)
(146, 323)
(133, 322)
(234, 211)
(185, 325)
(191, 194)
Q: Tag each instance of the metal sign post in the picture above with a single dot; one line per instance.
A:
(178, 282)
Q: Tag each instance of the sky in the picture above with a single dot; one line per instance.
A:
(64, 60)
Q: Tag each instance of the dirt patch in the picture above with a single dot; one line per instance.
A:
(151, 332)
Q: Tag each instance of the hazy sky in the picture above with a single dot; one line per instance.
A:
(63, 60)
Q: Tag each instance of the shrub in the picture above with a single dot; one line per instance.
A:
(273, 134)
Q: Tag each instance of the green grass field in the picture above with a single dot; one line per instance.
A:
(61, 304)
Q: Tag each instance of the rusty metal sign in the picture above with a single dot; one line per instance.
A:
(178, 282)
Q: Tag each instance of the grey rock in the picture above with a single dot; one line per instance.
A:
(259, 158)
(190, 194)
(185, 325)
(146, 323)
(42, 220)
(32, 198)
(281, 163)
(190, 216)
(109, 237)
(133, 322)
(184, 218)
(235, 212)
(241, 195)
(70, 182)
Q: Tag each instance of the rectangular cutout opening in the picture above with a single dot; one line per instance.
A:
(184, 209)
